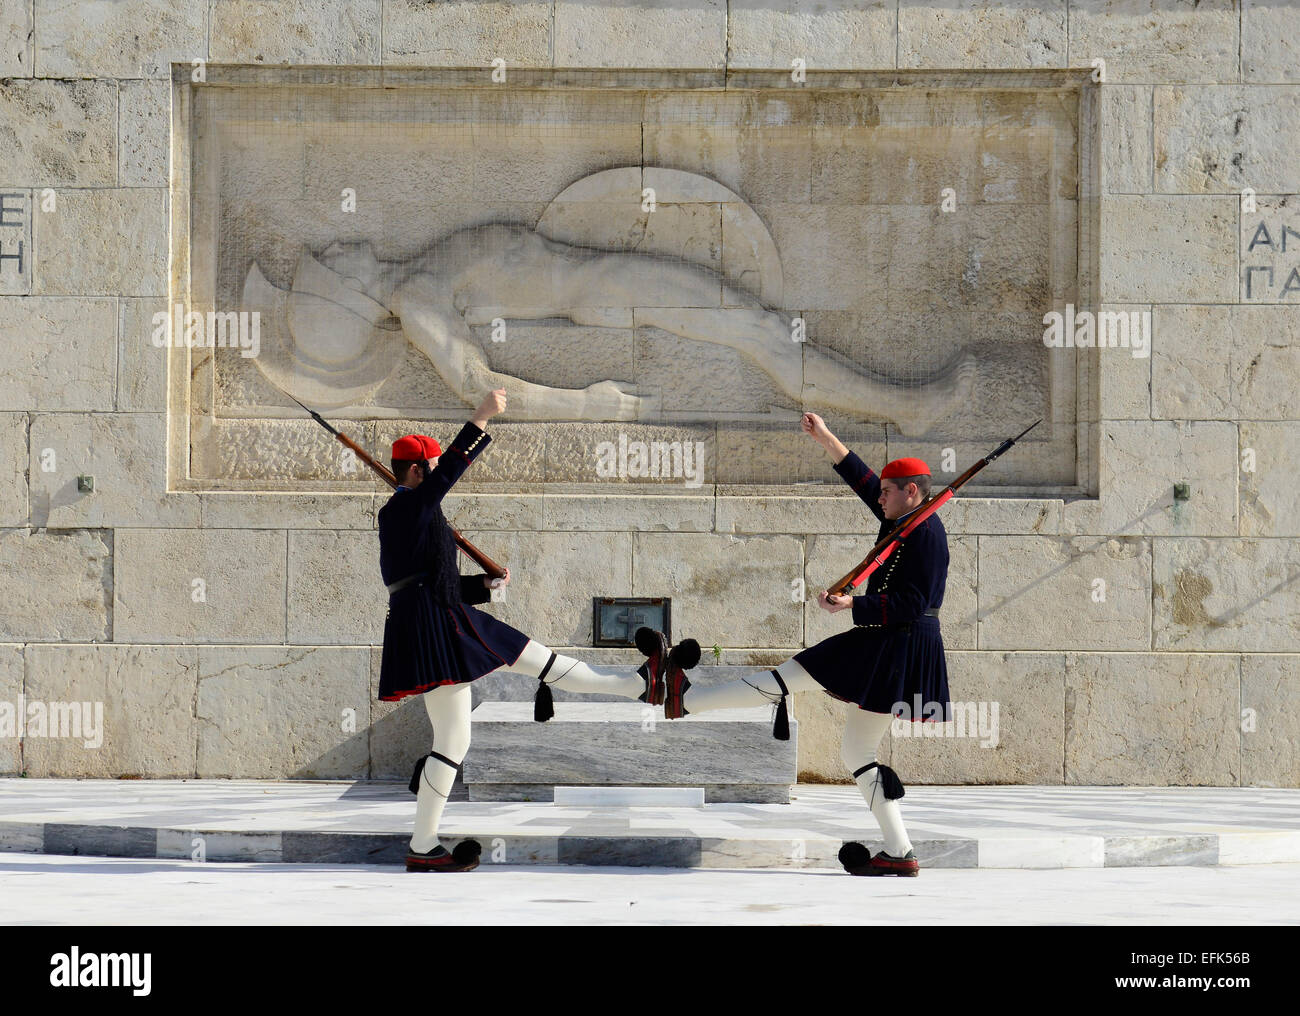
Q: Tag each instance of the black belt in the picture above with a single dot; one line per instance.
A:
(904, 626)
(907, 625)
(401, 584)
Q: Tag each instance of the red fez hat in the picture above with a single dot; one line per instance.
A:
(414, 447)
(904, 467)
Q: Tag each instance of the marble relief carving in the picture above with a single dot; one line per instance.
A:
(693, 265)
(336, 336)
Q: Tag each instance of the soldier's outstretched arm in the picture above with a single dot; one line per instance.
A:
(463, 450)
(815, 427)
(852, 469)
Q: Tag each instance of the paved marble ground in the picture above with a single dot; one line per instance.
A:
(99, 891)
(344, 822)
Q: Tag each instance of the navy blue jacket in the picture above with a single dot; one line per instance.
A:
(913, 577)
(414, 535)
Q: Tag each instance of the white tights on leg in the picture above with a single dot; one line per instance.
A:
(574, 675)
(862, 736)
(755, 690)
(448, 707)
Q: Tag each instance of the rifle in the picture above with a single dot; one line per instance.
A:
(928, 507)
(493, 569)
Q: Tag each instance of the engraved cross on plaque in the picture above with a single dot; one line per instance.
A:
(615, 619)
(631, 617)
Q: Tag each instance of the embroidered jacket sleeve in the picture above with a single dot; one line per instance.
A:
(914, 583)
(452, 463)
(472, 589)
(864, 482)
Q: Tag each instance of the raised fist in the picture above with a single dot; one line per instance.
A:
(494, 402)
(814, 426)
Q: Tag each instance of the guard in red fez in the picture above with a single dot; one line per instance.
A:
(432, 635)
(436, 642)
(891, 662)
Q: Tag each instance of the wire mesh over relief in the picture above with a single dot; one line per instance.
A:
(644, 271)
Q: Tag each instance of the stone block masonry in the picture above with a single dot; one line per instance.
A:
(217, 593)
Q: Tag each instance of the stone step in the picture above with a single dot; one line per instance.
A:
(730, 753)
(629, 797)
(315, 822)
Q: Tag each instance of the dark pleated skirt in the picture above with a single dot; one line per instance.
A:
(880, 668)
(428, 644)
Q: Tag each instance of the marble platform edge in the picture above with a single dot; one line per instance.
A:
(667, 850)
(483, 792)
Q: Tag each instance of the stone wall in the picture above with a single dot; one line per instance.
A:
(1127, 638)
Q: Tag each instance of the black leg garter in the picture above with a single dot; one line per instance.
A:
(781, 724)
(889, 781)
(419, 769)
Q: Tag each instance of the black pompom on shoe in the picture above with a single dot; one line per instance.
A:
(856, 859)
(467, 852)
(686, 654)
(648, 640)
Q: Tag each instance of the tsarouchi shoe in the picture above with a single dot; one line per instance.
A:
(681, 658)
(887, 864)
(654, 647)
(464, 857)
(857, 860)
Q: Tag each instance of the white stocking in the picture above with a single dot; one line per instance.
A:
(448, 707)
(574, 675)
(862, 736)
(755, 690)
